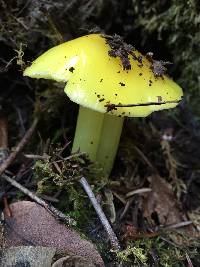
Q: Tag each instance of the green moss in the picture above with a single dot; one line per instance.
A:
(176, 25)
(151, 251)
(57, 173)
(138, 253)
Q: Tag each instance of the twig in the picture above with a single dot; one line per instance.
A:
(3, 134)
(119, 197)
(20, 22)
(23, 189)
(127, 206)
(40, 201)
(37, 157)
(19, 147)
(177, 225)
(113, 238)
(138, 191)
(190, 264)
(4, 69)
(146, 160)
(169, 242)
(49, 198)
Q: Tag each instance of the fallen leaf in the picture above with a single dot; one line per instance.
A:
(132, 233)
(71, 261)
(162, 202)
(33, 225)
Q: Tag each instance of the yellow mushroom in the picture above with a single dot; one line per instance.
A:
(98, 79)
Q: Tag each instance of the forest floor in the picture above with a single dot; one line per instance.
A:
(152, 195)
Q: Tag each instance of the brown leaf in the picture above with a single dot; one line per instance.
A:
(132, 233)
(162, 202)
(33, 225)
(71, 261)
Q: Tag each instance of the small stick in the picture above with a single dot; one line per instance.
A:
(39, 157)
(126, 208)
(177, 225)
(19, 147)
(6, 163)
(190, 264)
(3, 134)
(50, 208)
(113, 238)
(138, 191)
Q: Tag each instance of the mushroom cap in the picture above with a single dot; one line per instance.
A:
(95, 79)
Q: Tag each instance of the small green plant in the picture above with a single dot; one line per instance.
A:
(133, 254)
(145, 252)
(58, 174)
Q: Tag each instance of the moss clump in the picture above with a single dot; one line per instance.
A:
(155, 252)
(57, 173)
(133, 254)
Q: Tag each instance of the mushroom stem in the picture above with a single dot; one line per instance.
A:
(98, 135)
(108, 145)
(88, 132)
